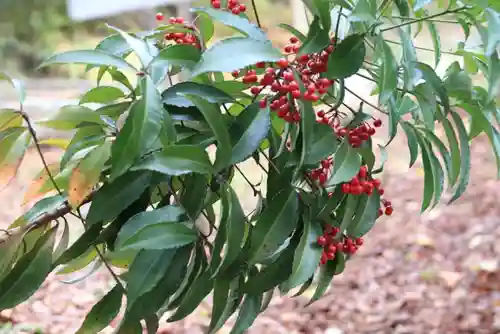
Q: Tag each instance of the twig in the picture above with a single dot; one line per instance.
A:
(422, 48)
(365, 101)
(256, 14)
(448, 11)
(254, 188)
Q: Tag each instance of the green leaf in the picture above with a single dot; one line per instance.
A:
(433, 79)
(412, 143)
(200, 288)
(347, 58)
(214, 118)
(206, 26)
(250, 52)
(10, 250)
(141, 130)
(177, 160)
(457, 82)
(103, 312)
(493, 75)
(18, 86)
(436, 42)
(239, 23)
(116, 196)
(274, 225)
(445, 154)
(177, 95)
(194, 194)
(307, 121)
(29, 272)
(388, 80)
(182, 55)
(13, 145)
(248, 131)
(80, 246)
(317, 38)
(365, 216)
(325, 277)
(10, 118)
(322, 9)
(454, 150)
(408, 60)
(47, 204)
(465, 160)
(141, 220)
(324, 144)
(139, 46)
(364, 11)
(146, 271)
(429, 175)
(224, 299)
(91, 57)
(102, 94)
(293, 31)
(71, 117)
(307, 254)
(493, 32)
(165, 235)
(346, 166)
(249, 311)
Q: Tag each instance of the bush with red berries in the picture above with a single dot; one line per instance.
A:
(137, 175)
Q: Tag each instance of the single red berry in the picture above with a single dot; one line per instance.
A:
(320, 113)
(346, 188)
(359, 241)
(380, 212)
(321, 241)
(389, 210)
(332, 248)
(160, 17)
(216, 4)
(377, 123)
(330, 255)
(243, 8)
(363, 171)
(282, 63)
(140, 74)
(294, 39)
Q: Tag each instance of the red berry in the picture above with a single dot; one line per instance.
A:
(332, 248)
(389, 210)
(282, 63)
(321, 241)
(320, 113)
(359, 241)
(243, 8)
(377, 123)
(363, 171)
(160, 16)
(216, 4)
(294, 39)
(330, 255)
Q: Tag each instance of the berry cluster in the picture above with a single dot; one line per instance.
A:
(233, 5)
(320, 174)
(179, 37)
(360, 133)
(281, 80)
(331, 245)
(361, 184)
(387, 208)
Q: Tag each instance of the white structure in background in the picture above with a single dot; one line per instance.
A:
(83, 10)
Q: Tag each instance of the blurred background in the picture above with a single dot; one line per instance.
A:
(432, 273)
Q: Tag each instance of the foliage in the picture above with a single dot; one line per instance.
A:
(139, 156)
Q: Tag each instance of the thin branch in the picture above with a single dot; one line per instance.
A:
(433, 20)
(448, 11)
(365, 101)
(382, 8)
(254, 188)
(256, 14)
(422, 48)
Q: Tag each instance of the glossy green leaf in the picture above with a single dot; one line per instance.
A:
(412, 143)
(194, 194)
(250, 52)
(165, 235)
(274, 225)
(91, 57)
(177, 160)
(103, 312)
(214, 118)
(84, 138)
(225, 301)
(493, 75)
(347, 58)
(139, 46)
(10, 118)
(307, 254)
(493, 31)
(146, 271)
(324, 144)
(293, 31)
(116, 196)
(317, 38)
(364, 11)
(326, 273)
(182, 55)
(388, 80)
(408, 60)
(322, 9)
(465, 159)
(433, 79)
(71, 117)
(234, 21)
(200, 288)
(102, 94)
(29, 272)
(10, 250)
(141, 130)
(346, 166)
(177, 95)
(13, 145)
(248, 131)
(249, 311)
(443, 151)
(47, 204)
(436, 41)
(206, 26)
(365, 216)
(429, 175)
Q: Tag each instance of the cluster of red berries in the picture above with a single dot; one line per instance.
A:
(282, 82)
(233, 5)
(331, 245)
(179, 37)
(360, 133)
(360, 184)
(320, 174)
(387, 210)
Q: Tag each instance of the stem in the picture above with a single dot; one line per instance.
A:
(382, 8)
(422, 48)
(256, 14)
(254, 188)
(337, 27)
(448, 11)
(365, 101)
(433, 20)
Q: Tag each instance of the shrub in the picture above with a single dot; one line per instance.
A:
(140, 159)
